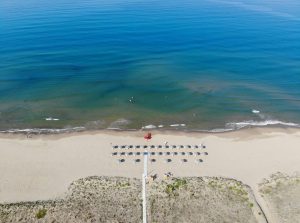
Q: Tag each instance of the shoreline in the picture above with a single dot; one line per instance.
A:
(57, 132)
(83, 129)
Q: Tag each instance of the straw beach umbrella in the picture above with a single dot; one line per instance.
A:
(137, 161)
(184, 160)
(199, 161)
(153, 160)
(121, 160)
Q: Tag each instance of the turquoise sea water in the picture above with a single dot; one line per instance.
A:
(131, 63)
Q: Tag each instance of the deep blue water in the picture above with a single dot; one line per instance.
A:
(129, 63)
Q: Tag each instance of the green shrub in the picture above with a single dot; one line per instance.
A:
(41, 213)
(179, 183)
(175, 186)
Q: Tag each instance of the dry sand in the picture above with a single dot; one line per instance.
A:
(43, 167)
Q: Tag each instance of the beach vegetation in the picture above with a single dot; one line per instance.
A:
(41, 213)
(239, 190)
(177, 184)
(170, 189)
(236, 188)
(215, 184)
(3, 215)
(168, 200)
(123, 184)
(212, 184)
(267, 190)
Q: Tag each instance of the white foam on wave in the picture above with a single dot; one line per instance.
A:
(51, 119)
(239, 125)
(261, 115)
(44, 131)
(149, 127)
(178, 125)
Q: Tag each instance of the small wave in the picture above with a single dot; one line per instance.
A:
(261, 115)
(51, 119)
(160, 126)
(239, 125)
(149, 127)
(255, 111)
(178, 125)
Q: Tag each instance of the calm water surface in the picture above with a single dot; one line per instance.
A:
(126, 64)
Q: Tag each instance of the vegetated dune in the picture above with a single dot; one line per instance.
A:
(282, 195)
(114, 199)
(203, 199)
(93, 199)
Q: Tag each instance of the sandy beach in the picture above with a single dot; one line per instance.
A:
(42, 167)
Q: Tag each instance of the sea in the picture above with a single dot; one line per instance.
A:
(188, 65)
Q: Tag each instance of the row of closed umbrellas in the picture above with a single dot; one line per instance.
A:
(159, 153)
(154, 160)
(159, 146)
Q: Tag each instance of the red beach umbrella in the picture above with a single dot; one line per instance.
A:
(148, 136)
